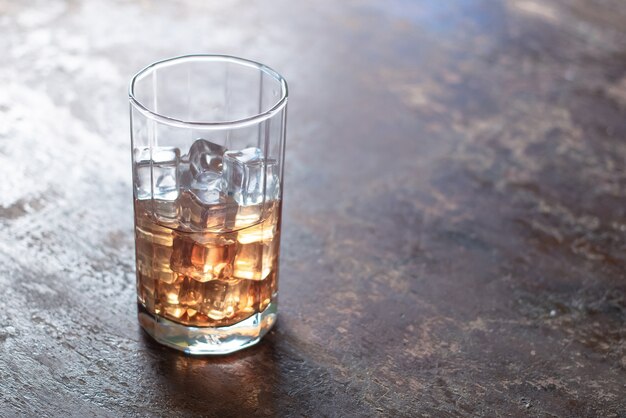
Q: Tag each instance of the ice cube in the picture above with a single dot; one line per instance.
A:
(156, 178)
(185, 177)
(167, 294)
(243, 175)
(145, 289)
(248, 215)
(267, 291)
(224, 300)
(255, 261)
(272, 189)
(205, 156)
(194, 215)
(191, 293)
(257, 231)
(143, 175)
(174, 300)
(164, 163)
(207, 187)
(203, 261)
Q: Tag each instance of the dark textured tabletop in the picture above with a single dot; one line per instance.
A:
(454, 233)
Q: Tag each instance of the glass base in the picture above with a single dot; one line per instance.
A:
(216, 340)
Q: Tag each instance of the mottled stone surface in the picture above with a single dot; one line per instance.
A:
(455, 217)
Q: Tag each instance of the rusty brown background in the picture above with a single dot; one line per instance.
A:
(455, 216)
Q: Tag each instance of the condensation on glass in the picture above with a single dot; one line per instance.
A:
(208, 141)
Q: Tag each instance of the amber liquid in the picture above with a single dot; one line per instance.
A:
(207, 279)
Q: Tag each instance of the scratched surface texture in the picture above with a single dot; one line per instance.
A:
(455, 216)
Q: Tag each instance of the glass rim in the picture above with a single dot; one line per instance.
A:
(237, 123)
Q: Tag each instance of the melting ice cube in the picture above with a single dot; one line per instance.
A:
(155, 173)
(207, 187)
(205, 156)
(243, 175)
(272, 187)
(195, 215)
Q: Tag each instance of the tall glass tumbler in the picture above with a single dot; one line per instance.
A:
(208, 145)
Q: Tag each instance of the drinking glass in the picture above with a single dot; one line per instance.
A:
(208, 146)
